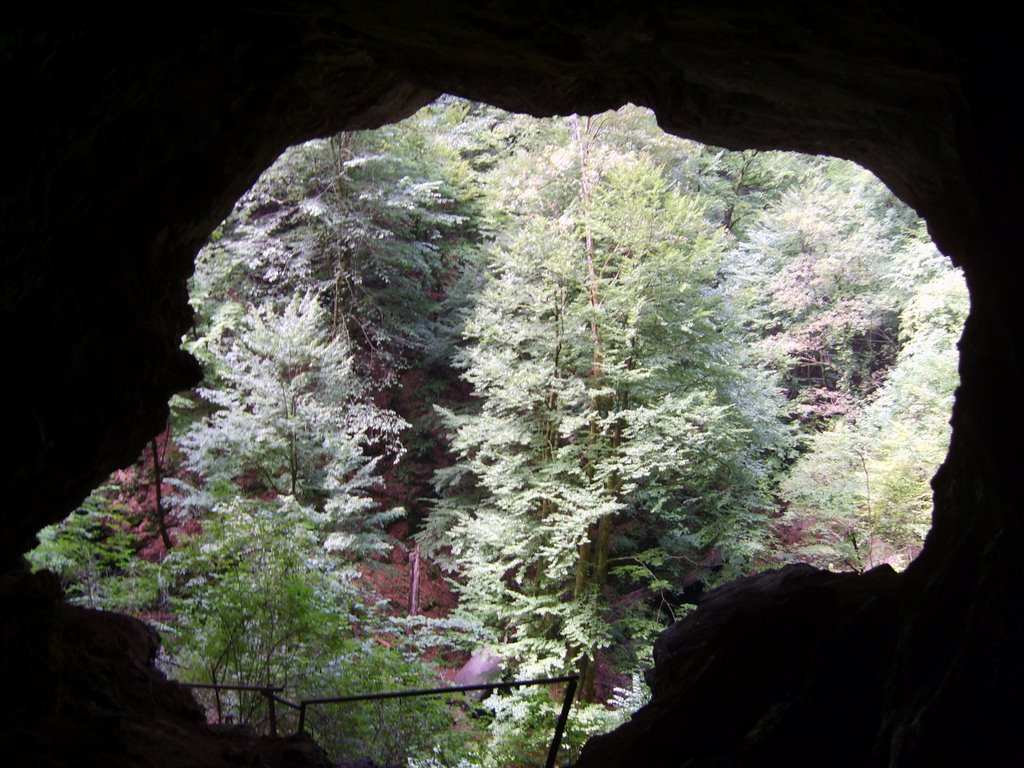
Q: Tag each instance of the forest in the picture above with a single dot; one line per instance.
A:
(483, 383)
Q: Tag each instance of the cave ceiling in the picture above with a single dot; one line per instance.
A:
(131, 131)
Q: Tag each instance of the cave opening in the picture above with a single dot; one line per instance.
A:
(346, 263)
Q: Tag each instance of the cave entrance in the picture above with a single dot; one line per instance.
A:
(586, 367)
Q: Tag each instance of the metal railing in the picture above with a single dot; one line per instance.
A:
(273, 697)
(269, 692)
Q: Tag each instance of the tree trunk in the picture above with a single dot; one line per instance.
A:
(161, 518)
(590, 552)
(601, 545)
(293, 452)
(583, 149)
(414, 580)
(582, 568)
(586, 689)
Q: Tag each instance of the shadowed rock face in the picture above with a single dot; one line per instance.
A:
(129, 139)
(751, 678)
(80, 689)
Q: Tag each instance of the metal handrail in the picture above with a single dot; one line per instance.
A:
(230, 687)
(271, 692)
(440, 690)
(556, 740)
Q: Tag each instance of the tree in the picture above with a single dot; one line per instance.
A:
(380, 225)
(293, 420)
(600, 352)
(377, 223)
(823, 275)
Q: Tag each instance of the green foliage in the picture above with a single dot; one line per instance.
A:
(255, 602)
(259, 603)
(862, 488)
(523, 725)
(824, 275)
(294, 419)
(93, 553)
(387, 731)
(600, 350)
(377, 223)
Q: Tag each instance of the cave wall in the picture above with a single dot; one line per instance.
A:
(128, 139)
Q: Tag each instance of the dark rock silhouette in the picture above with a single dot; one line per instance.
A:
(91, 696)
(130, 137)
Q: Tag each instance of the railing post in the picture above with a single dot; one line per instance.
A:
(302, 717)
(563, 718)
(271, 711)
